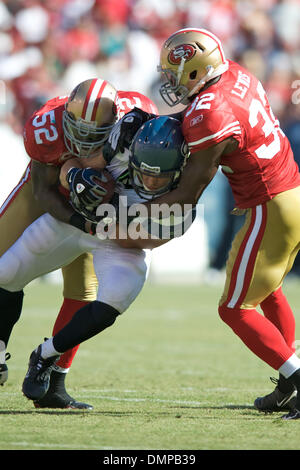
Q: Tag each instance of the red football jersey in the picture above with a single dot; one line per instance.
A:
(263, 165)
(43, 131)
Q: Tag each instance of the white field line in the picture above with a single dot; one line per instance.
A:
(67, 446)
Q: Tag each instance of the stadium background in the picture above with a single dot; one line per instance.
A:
(47, 47)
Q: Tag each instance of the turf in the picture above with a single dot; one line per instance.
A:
(168, 375)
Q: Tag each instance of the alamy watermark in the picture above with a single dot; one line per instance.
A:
(137, 221)
(296, 94)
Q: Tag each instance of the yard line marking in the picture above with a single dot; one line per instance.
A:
(155, 400)
(68, 446)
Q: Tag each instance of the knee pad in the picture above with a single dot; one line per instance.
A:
(40, 236)
(9, 267)
(121, 284)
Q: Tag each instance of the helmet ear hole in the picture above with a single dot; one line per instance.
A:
(193, 74)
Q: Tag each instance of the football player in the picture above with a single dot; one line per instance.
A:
(228, 122)
(121, 270)
(64, 128)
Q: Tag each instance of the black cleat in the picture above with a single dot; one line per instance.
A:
(4, 370)
(37, 379)
(277, 400)
(57, 396)
(294, 414)
(63, 401)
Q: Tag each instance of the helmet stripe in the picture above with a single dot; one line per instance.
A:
(92, 99)
(87, 98)
(97, 98)
(206, 33)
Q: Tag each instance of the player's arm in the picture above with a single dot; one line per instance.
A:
(46, 180)
(143, 242)
(199, 171)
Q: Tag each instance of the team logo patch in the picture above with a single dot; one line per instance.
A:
(80, 187)
(151, 169)
(185, 51)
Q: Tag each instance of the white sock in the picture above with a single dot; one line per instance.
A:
(290, 366)
(61, 370)
(48, 349)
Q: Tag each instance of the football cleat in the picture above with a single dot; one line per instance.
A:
(37, 379)
(293, 414)
(61, 400)
(4, 370)
(277, 400)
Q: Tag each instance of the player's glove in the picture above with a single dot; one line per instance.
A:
(80, 222)
(123, 132)
(87, 188)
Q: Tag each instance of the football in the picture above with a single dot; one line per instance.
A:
(105, 180)
(99, 177)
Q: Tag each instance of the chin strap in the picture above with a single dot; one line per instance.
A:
(211, 73)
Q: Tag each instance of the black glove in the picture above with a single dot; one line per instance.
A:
(123, 132)
(79, 221)
(87, 190)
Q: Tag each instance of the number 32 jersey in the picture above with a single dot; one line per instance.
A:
(236, 106)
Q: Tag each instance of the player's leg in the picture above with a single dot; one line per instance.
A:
(256, 267)
(17, 212)
(121, 274)
(277, 309)
(80, 288)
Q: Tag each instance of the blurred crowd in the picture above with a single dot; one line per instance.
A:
(48, 46)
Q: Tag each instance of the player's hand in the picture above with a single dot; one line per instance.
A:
(123, 132)
(87, 187)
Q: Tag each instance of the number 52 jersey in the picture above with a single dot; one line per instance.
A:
(236, 106)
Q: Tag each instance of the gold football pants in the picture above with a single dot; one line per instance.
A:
(263, 251)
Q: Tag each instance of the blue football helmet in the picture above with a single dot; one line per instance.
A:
(160, 151)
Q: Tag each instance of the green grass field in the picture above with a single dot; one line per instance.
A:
(168, 375)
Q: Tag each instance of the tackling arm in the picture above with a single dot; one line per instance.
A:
(45, 179)
(200, 169)
(198, 173)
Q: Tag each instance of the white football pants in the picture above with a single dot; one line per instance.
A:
(48, 244)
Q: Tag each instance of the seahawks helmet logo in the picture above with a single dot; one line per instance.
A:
(151, 169)
(79, 188)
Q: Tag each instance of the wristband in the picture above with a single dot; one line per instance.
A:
(78, 221)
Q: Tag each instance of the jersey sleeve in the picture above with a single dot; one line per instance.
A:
(208, 123)
(43, 135)
(127, 100)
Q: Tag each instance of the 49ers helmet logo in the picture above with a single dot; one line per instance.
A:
(185, 51)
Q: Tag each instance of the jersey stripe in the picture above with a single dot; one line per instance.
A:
(234, 127)
(245, 261)
(15, 191)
